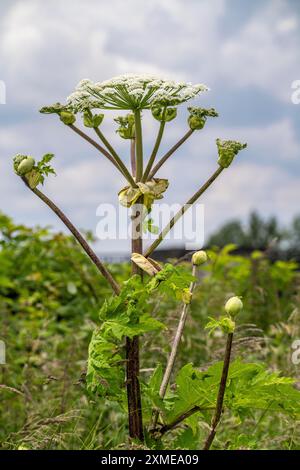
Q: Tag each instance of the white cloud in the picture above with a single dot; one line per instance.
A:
(265, 53)
(47, 47)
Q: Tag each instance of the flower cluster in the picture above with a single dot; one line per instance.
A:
(131, 92)
(227, 150)
(198, 116)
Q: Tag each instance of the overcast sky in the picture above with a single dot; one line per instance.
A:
(247, 52)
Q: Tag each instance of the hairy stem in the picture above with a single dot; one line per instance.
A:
(154, 151)
(121, 165)
(221, 393)
(81, 240)
(139, 145)
(169, 153)
(182, 211)
(135, 418)
(173, 354)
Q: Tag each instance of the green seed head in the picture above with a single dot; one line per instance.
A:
(23, 164)
(233, 306)
(198, 258)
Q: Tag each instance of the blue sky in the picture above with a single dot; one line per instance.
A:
(247, 52)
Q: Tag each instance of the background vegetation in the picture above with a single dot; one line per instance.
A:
(50, 295)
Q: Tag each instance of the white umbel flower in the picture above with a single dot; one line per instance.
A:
(131, 92)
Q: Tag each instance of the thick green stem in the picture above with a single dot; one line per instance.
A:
(139, 145)
(169, 153)
(121, 165)
(132, 157)
(154, 151)
(182, 211)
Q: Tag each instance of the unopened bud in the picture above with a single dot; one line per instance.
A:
(233, 306)
(199, 257)
(92, 121)
(163, 113)
(198, 117)
(126, 128)
(67, 117)
(23, 164)
(227, 150)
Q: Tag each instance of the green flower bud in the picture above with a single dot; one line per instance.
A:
(23, 164)
(198, 258)
(67, 117)
(163, 114)
(233, 306)
(227, 150)
(92, 121)
(126, 126)
(198, 117)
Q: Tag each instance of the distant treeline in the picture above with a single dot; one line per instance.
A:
(257, 233)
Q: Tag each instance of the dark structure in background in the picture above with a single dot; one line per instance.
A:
(256, 234)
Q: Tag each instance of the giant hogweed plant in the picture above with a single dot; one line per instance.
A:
(156, 406)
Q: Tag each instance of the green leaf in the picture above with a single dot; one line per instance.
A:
(249, 387)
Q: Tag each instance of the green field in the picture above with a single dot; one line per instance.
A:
(50, 297)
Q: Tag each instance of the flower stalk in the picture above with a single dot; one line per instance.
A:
(170, 153)
(154, 151)
(139, 145)
(81, 240)
(182, 211)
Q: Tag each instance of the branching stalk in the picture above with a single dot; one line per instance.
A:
(94, 144)
(173, 354)
(169, 153)
(182, 211)
(154, 151)
(112, 151)
(91, 254)
(221, 393)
